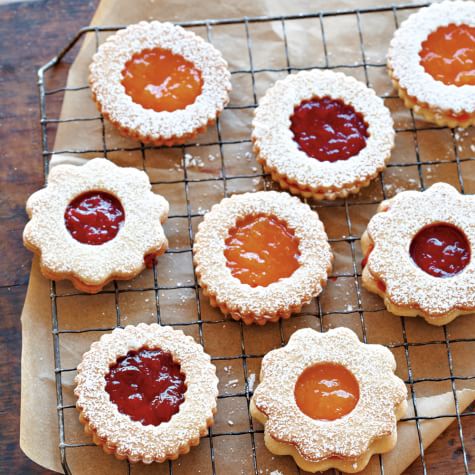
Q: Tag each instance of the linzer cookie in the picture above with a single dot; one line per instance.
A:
(157, 82)
(431, 61)
(261, 256)
(95, 223)
(322, 134)
(146, 393)
(329, 400)
(418, 254)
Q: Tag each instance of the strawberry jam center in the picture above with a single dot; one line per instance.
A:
(441, 250)
(261, 249)
(146, 385)
(326, 391)
(160, 80)
(328, 129)
(448, 54)
(94, 217)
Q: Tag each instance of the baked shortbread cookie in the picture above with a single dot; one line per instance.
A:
(146, 393)
(418, 254)
(322, 134)
(95, 223)
(261, 256)
(329, 400)
(159, 83)
(431, 61)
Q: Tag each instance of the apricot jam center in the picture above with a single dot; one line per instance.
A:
(160, 80)
(146, 385)
(448, 54)
(326, 391)
(441, 250)
(94, 217)
(328, 129)
(261, 249)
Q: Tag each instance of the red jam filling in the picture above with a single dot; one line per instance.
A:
(160, 80)
(326, 391)
(364, 261)
(328, 129)
(381, 285)
(146, 385)
(150, 260)
(441, 250)
(94, 217)
(261, 249)
(448, 54)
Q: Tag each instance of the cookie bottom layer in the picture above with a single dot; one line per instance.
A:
(371, 284)
(353, 465)
(157, 141)
(111, 449)
(443, 118)
(250, 318)
(308, 192)
(84, 286)
(297, 189)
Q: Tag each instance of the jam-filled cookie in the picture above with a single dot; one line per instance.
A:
(322, 134)
(261, 256)
(431, 61)
(95, 223)
(329, 400)
(418, 254)
(157, 82)
(146, 393)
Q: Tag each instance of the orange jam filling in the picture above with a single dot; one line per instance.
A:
(448, 54)
(261, 249)
(326, 391)
(160, 80)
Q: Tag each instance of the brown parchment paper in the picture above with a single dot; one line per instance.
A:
(233, 454)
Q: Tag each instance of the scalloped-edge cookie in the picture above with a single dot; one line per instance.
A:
(95, 223)
(187, 82)
(261, 256)
(326, 426)
(110, 425)
(438, 98)
(418, 254)
(275, 141)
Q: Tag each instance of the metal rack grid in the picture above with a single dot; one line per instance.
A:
(351, 239)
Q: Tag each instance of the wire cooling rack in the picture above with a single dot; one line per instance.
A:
(360, 63)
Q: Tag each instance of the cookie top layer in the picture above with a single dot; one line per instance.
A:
(404, 59)
(350, 436)
(141, 232)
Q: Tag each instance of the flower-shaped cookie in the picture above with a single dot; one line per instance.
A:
(418, 254)
(261, 256)
(322, 134)
(322, 425)
(157, 82)
(95, 223)
(431, 61)
(146, 393)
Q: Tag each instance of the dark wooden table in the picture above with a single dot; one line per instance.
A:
(30, 34)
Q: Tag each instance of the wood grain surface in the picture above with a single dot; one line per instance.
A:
(30, 34)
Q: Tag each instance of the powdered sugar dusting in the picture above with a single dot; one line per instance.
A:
(408, 287)
(122, 257)
(280, 298)
(404, 59)
(146, 124)
(129, 438)
(279, 153)
(382, 396)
